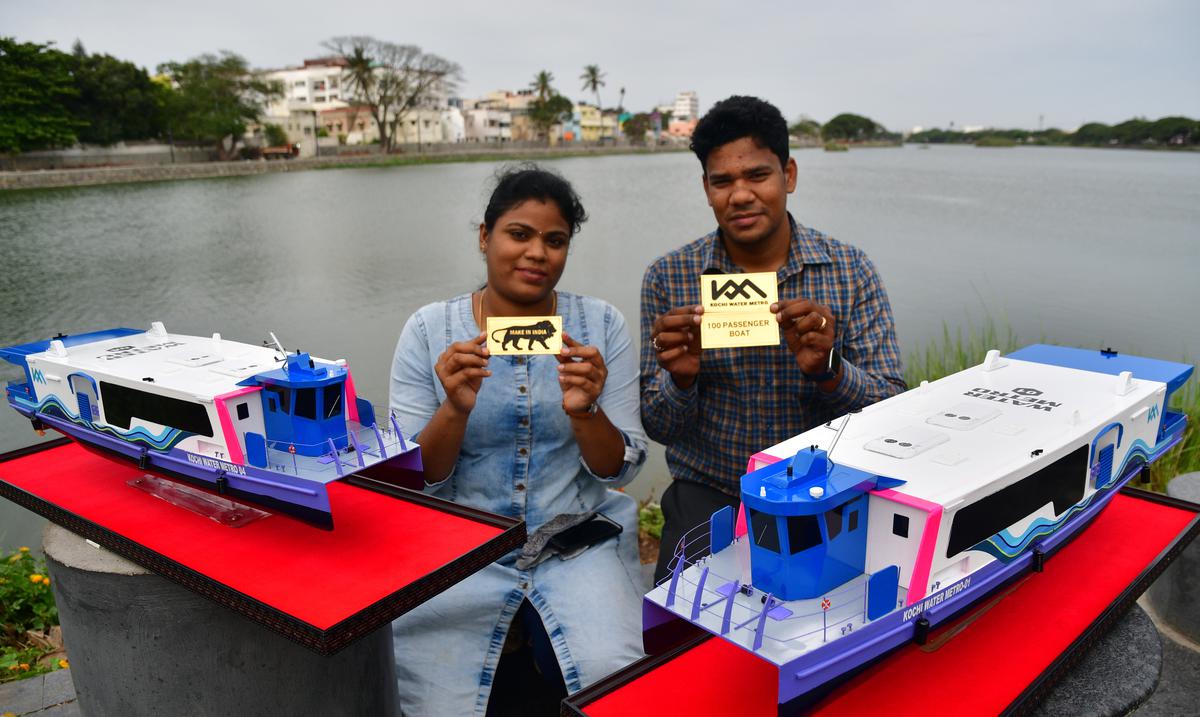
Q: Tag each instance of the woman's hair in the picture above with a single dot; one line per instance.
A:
(521, 183)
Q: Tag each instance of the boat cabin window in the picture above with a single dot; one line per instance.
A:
(282, 395)
(833, 521)
(332, 400)
(900, 525)
(853, 521)
(243, 411)
(1061, 483)
(306, 403)
(766, 535)
(122, 404)
(803, 532)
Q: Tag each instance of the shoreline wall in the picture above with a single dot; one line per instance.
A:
(88, 176)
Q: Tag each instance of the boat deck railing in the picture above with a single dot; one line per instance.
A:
(795, 624)
(365, 446)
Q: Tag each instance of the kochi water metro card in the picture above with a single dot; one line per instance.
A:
(737, 310)
(524, 334)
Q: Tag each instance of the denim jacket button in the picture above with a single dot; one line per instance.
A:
(524, 421)
(522, 451)
(520, 486)
(521, 389)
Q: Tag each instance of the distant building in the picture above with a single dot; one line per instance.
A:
(682, 128)
(488, 122)
(687, 106)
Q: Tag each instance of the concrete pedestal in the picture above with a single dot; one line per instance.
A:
(1175, 596)
(1117, 674)
(141, 645)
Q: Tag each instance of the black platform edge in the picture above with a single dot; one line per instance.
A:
(575, 705)
(1033, 694)
(323, 642)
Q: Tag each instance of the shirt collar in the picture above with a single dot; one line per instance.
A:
(805, 248)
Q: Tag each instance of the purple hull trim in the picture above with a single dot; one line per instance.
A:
(307, 500)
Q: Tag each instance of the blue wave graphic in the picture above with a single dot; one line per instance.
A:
(164, 441)
(1005, 546)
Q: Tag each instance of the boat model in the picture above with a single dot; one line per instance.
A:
(251, 422)
(865, 533)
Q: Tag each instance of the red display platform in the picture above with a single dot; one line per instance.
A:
(391, 549)
(993, 660)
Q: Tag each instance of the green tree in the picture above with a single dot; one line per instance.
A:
(116, 100)
(275, 135)
(35, 87)
(215, 98)
(1092, 133)
(636, 127)
(1175, 131)
(391, 80)
(806, 127)
(1133, 131)
(850, 128)
(544, 114)
(542, 85)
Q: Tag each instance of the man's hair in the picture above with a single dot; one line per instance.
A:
(736, 117)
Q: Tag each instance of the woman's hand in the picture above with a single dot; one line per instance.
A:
(581, 375)
(461, 368)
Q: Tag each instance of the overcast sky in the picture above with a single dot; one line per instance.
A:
(903, 64)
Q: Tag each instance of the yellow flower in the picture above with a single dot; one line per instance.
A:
(23, 549)
(35, 578)
(46, 582)
(15, 558)
(64, 664)
(14, 667)
(24, 665)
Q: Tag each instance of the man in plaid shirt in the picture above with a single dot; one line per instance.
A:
(715, 408)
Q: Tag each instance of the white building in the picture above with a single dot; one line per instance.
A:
(687, 106)
(487, 122)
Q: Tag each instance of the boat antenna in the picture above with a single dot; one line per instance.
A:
(841, 428)
(279, 346)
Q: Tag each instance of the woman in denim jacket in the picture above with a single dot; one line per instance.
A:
(539, 438)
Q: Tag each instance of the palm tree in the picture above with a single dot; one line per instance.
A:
(593, 80)
(541, 83)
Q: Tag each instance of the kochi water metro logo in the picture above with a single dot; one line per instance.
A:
(1024, 397)
(37, 375)
(732, 290)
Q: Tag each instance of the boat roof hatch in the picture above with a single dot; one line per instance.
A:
(300, 371)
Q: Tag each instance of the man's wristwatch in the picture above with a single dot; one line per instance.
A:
(588, 412)
(831, 371)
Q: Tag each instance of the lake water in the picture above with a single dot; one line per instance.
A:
(1081, 247)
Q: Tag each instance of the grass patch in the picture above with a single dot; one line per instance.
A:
(994, 140)
(965, 348)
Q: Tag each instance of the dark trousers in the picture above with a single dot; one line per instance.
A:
(686, 505)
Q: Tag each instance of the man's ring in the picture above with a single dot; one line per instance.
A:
(654, 343)
(823, 322)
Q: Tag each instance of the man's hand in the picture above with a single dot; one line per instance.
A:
(675, 338)
(809, 329)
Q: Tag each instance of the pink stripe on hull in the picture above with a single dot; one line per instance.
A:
(231, 440)
(758, 460)
(919, 583)
(351, 397)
